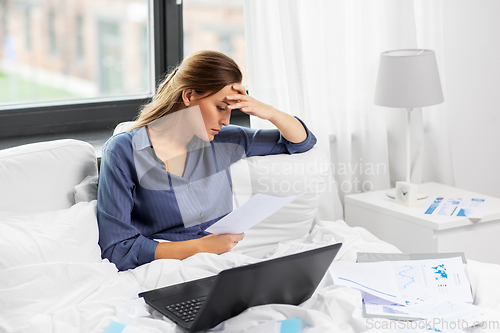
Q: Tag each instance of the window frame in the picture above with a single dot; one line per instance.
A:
(64, 117)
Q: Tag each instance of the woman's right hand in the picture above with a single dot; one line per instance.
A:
(219, 243)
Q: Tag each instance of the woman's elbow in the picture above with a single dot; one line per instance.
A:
(123, 261)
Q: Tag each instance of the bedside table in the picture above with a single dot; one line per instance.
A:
(412, 232)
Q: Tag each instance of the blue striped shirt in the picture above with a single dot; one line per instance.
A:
(139, 201)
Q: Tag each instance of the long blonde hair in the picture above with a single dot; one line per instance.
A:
(206, 72)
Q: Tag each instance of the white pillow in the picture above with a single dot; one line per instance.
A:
(40, 177)
(123, 127)
(86, 191)
(69, 235)
(281, 175)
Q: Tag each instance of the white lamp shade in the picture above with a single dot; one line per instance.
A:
(408, 79)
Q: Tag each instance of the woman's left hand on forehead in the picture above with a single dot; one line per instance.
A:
(249, 105)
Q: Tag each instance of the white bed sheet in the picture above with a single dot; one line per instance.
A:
(87, 297)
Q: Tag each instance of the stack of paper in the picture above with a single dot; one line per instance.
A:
(435, 289)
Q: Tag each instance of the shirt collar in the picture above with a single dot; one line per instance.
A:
(141, 139)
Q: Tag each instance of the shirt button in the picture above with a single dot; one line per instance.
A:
(187, 185)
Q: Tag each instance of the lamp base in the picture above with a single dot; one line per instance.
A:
(391, 193)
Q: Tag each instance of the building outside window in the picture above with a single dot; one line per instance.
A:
(80, 48)
(27, 27)
(110, 57)
(215, 25)
(51, 22)
(144, 49)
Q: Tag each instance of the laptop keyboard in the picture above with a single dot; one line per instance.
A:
(186, 310)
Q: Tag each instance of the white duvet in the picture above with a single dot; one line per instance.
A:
(59, 296)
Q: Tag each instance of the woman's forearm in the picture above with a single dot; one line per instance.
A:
(176, 250)
(183, 249)
(289, 126)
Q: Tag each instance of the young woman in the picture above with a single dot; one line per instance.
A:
(167, 179)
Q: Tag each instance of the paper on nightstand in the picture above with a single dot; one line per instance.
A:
(451, 206)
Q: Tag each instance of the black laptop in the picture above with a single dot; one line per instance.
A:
(203, 304)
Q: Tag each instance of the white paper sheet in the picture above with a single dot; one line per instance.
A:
(374, 278)
(256, 209)
(378, 307)
(439, 310)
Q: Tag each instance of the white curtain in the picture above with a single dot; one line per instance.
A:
(318, 60)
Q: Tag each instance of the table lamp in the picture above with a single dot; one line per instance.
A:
(408, 79)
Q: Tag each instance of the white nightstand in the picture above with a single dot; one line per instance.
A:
(411, 232)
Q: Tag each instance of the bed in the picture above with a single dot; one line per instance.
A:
(52, 277)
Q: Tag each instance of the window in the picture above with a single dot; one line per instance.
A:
(75, 65)
(52, 69)
(78, 65)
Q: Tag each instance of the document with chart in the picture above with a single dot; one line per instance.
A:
(412, 289)
(453, 206)
(446, 277)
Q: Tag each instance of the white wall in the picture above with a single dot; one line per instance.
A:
(472, 70)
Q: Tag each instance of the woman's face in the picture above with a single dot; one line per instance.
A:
(214, 112)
